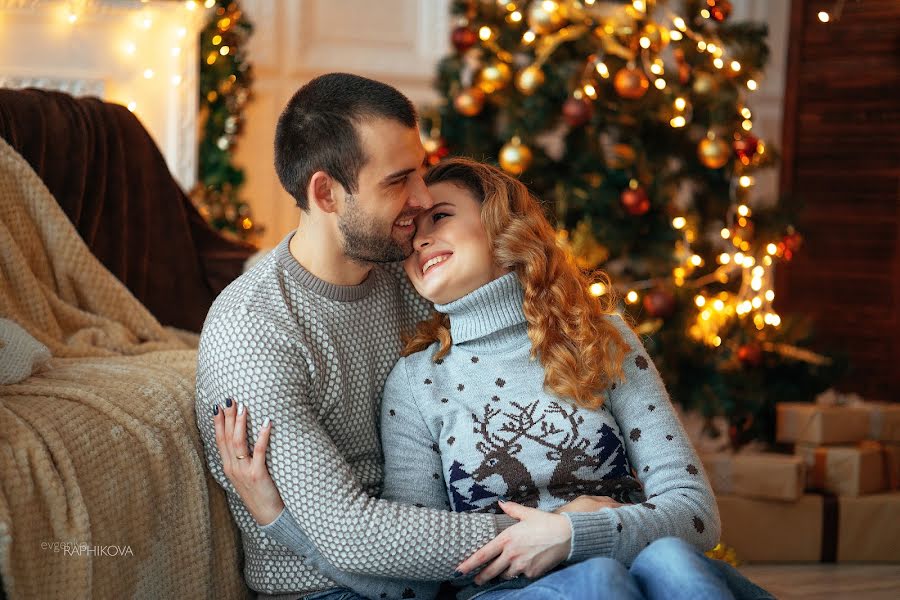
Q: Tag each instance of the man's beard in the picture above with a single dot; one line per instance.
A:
(362, 240)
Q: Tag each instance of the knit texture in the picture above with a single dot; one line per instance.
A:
(477, 424)
(20, 353)
(314, 357)
(103, 492)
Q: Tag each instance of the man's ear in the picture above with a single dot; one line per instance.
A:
(321, 191)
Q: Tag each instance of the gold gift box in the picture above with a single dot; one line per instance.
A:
(800, 422)
(844, 470)
(764, 475)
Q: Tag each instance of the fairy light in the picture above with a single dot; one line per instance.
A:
(176, 80)
(701, 45)
(726, 233)
(209, 3)
(756, 302)
(712, 48)
(679, 23)
(631, 297)
(660, 83)
(598, 289)
(718, 63)
(190, 5)
(216, 40)
(129, 48)
(176, 51)
(146, 22)
(824, 16)
(758, 271)
(224, 50)
(751, 85)
(602, 70)
(696, 260)
(744, 210)
(528, 37)
(515, 16)
(644, 42)
(679, 222)
(678, 121)
(131, 105)
(699, 300)
(704, 13)
(770, 295)
(735, 66)
(745, 181)
(590, 91)
(739, 258)
(745, 112)
(767, 260)
(675, 35)
(485, 33)
(148, 73)
(747, 124)
(639, 5)
(724, 258)
(771, 248)
(181, 32)
(680, 103)
(656, 69)
(718, 305)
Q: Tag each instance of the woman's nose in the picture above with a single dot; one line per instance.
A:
(420, 243)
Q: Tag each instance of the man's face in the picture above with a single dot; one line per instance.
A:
(377, 222)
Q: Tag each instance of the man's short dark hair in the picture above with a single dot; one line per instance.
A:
(317, 131)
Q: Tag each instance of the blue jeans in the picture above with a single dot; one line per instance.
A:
(335, 594)
(668, 568)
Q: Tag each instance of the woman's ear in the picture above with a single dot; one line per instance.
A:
(320, 191)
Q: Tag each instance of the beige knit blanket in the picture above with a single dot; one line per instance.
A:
(103, 486)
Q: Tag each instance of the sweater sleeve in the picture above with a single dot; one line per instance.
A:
(680, 501)
(248, 359)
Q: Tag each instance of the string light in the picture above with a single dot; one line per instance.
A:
(602, 70)
(751, 85)
(824, 16)
(679, 222)
(631, 297)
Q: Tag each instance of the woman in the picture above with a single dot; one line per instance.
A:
(523, 386)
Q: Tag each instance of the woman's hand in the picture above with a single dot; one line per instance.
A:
(588, 504)
(247, 470)
(531, 547)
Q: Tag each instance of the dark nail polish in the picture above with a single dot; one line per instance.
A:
(228, 402)
(216, 409)
(457, 574)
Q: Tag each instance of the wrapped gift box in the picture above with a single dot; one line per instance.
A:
(772, 530)
(820, 424)
(890, 454)
(764, 475)
(869, 528)
(884, 420)
(843, 470)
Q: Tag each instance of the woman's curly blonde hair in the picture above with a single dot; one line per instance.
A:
(581, 351)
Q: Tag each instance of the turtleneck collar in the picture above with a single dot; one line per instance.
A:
(491, 316)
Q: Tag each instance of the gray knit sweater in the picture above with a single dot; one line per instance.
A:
(314, 357)
(478, 424)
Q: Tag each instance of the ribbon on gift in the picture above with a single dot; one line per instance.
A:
(830, 510)
(889, 458)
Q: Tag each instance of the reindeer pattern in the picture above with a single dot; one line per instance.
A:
(540, 454)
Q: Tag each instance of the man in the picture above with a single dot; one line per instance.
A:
(309, 335)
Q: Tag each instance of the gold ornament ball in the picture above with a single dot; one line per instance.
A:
(545, 16)
(529, 79)
(704, 83)
(494, 76)
(631, 83)
(469, 102)
(713, 152)
(515, 157)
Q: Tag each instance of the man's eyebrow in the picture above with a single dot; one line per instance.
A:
(403, 173)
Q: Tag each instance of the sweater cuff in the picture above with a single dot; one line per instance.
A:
(286, 531)
(592, 534)
(504, 522)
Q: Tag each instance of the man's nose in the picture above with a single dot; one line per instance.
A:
(419, 196)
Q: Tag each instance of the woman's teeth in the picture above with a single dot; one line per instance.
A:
(434, 261)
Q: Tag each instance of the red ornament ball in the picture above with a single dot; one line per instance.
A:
(635, 201)
(746, 147)
(577, 111)
(659, 303)
(750, 354)
(719, 9)
(463, 38)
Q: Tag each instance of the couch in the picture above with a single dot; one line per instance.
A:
(106, 274)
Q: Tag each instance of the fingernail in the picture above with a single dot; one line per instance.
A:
(457, 574)
(502, 499)
(228, 402)
(215, 409)
(240, 408)
(266, 423)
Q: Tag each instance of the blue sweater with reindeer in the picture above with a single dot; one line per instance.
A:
(462, 431)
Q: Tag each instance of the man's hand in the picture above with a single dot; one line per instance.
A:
(248, 474)
(531, 547)
(588, 504)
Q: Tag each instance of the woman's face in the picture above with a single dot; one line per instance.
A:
(451, 253)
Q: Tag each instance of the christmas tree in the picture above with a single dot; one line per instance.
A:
(632, 121)
(225, 78)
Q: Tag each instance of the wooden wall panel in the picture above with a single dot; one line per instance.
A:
(841, 156)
